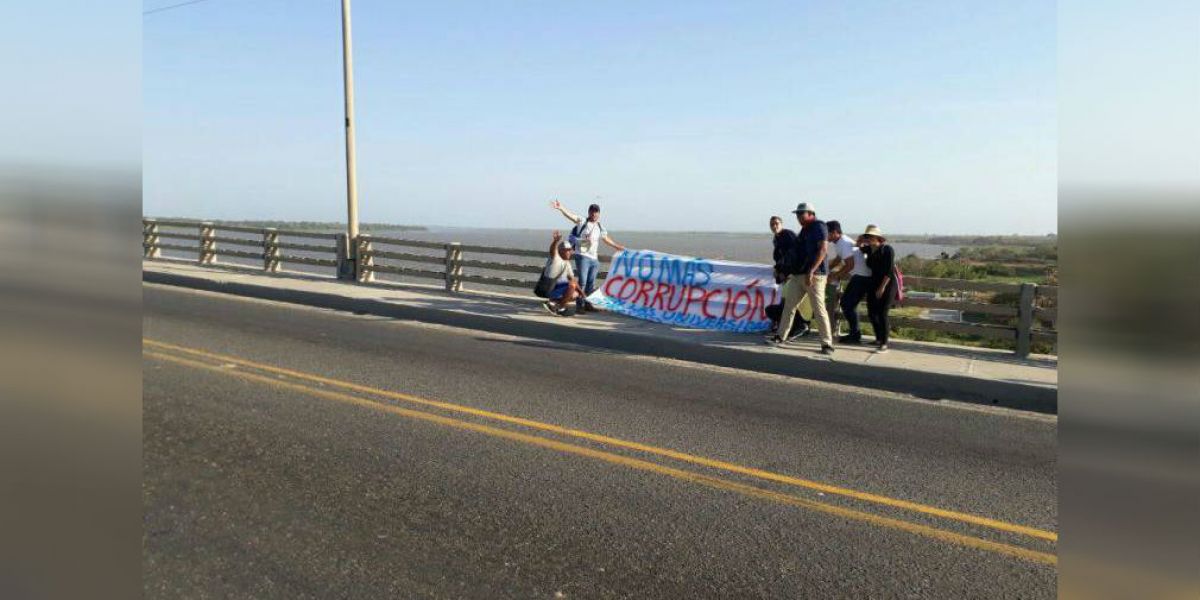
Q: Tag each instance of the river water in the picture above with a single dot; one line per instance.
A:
(743, 247)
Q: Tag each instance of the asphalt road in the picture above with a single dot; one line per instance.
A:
(295, 452)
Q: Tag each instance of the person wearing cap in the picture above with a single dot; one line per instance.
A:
(806, 276)
(585, 238)
(561, 300)
(783, 240)
(881, 291)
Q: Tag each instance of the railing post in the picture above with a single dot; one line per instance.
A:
(366, 259)
(150, 247)
(347, 252)
(270, 250)
(1025, 320)
(453, 267)
(208, 245)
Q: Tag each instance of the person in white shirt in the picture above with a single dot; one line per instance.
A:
(840, 261)
(561, 298)
(586, 237)
(858, 274)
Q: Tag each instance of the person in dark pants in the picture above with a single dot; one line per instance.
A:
(857, 286)
(783, 240)
(881, 259)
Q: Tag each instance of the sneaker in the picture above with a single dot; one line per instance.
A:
(775, 341)
(827, 350)
(549, 306)
(797, 333)
(568, 311)
(850, 339)
(881, 349)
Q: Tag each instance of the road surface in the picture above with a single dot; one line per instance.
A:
(295, 452)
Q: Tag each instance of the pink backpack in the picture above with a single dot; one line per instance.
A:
(899, 284)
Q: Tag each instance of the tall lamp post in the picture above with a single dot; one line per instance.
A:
(351, 177)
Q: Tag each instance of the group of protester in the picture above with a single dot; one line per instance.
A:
(805, 264)
(574, 262)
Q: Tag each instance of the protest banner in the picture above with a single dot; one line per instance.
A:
(687, 291)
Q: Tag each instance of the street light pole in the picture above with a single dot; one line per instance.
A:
(348, 84)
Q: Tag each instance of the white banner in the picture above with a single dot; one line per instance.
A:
(687, 291)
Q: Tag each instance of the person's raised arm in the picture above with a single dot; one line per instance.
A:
(614, 245)
(572, 217)
(554, 240)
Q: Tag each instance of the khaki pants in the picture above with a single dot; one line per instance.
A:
(794, 291)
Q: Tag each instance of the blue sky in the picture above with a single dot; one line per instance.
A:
(921, 117)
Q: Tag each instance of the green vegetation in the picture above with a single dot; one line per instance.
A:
(1005, 264)
(994, 259)
(979, 240)
(1040, 253)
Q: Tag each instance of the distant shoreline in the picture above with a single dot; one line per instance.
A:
(304, 225)
(958, 240)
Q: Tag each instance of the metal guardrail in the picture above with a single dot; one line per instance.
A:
(1031, 307)
(208, 245)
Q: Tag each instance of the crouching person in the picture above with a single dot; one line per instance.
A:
(558, 283)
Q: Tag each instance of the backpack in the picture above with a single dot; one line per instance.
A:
(578, 230)
(545, 283)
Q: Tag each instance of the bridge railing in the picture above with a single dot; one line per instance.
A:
(459, 263)
(206, 240)
(1018, 314)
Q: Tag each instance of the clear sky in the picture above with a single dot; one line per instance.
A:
(934, 117)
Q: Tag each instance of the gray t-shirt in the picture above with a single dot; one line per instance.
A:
(558, 269)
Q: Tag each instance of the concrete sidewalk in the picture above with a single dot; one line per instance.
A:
(932, 371)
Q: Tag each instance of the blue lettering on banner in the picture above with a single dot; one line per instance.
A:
(648, 282)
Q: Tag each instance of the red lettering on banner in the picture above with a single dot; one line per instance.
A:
(707, 299)
(632, 285)
(742, 298)
(757, 309)
(643, 293)
(608, 284)
(658, 295)
(728, 304)
(692, 297)
(674, 305)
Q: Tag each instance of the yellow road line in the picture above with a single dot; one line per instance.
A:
(617, 442)
(634, 463)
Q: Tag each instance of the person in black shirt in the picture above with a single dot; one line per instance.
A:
(783, 240)
(882, 291)
(806, 276)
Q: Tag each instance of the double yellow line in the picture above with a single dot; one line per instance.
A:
(197, 358)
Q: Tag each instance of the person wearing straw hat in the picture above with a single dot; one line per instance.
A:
(806, 276)
(881, 259)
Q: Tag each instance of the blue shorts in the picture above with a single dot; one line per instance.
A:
(560, 290)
